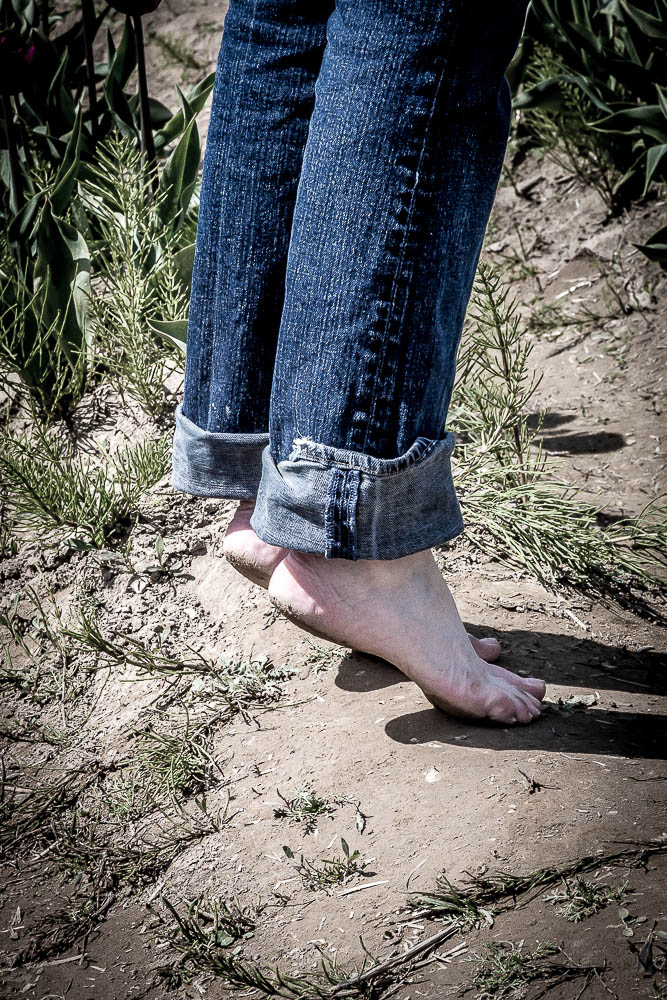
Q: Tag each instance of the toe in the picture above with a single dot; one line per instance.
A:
(488, 648)
(505, 708)
(536, 686)
(530, 707)
(532, 685)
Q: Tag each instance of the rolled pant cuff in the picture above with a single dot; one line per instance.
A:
(213, 464)
(351, 505)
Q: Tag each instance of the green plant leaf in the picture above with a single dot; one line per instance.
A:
(174, 331)
(123, 60)
(179, 176)
(655, 247)
(546, 94)
(160, 113)
(196, 100)
(654, 158)
(62, 283)
(184, 261)
(654, 27)
(120, 106)
(65, 180)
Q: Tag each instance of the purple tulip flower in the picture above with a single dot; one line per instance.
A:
(135, 9)
(16, 59)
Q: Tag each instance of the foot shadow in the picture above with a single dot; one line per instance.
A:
(557, 658)
(597, 442)
(550, 419)
(615, 734)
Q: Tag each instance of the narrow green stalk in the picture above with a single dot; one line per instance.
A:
(88, 11)
(12, 149)
(147, 142)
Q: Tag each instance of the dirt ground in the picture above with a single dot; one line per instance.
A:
(416, 792)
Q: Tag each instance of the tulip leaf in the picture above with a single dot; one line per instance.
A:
(160, 114)
(196, 100)
(654, 158)
(62, 283)
(655, 247)
(186, 107)
(654, 27)
(65, 179)
(184, 262)
(123, 61)
(120, 106)
(174, 331)
(179, 177)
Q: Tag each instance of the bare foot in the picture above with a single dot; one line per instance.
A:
(257, 560)
(402, 611)
(246, 552)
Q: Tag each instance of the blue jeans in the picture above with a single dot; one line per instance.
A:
(352, 159)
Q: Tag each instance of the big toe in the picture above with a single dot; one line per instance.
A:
(488, 648)
(535, 686)
(532, 685)
(509, 704)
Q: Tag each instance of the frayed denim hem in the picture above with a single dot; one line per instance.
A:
(213, 464)
(351, 505)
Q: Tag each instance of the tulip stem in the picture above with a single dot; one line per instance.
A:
(88, 11)
(147, 143)
(12, 149)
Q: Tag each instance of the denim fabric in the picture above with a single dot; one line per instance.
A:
(352, 160)
(216, 464)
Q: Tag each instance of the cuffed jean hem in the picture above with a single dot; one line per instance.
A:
(213, 464)
(351, 505)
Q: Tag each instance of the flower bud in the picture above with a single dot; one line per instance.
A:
(137, 9)
(16, 62)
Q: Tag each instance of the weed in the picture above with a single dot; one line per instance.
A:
(8, 544)
(57, 495)
(80, 845)
(582, 898)
(565, 134)
(505, 971)
(330, 871)
(481, 898)
(321, 658)
(28, 808)
(177, 763)
(514, 508)
(223, 961)
(67, 925)
(207, 926)
(38, 663)
(305, 806)
(137, 274)
(166, 765)
(238, 682)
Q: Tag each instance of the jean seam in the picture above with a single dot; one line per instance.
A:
(378, 473)
(341, 514)
(404, 240)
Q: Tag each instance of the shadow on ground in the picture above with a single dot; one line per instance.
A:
(616, 734)
(561, 660)
(557, 658)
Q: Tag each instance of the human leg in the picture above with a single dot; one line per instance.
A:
(404, 152)
(264, 93)
(401, 164)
